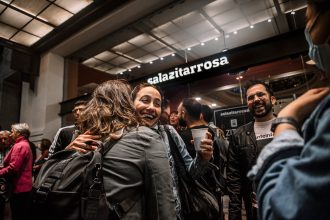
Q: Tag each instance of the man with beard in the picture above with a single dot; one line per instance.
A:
(244, 148)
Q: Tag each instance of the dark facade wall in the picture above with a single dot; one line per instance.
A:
(10, 103)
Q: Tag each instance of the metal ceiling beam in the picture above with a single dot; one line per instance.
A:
(146, 29)
(281, 21)
(211, 21)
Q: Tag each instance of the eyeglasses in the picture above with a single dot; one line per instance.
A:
(258, 94)
(77, 109)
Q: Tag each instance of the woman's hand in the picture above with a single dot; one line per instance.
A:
(84, 143)
(206, 151)
(302, 107)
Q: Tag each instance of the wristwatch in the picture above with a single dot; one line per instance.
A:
(287, 120)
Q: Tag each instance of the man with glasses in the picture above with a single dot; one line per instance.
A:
(244, 148)
(66, 135)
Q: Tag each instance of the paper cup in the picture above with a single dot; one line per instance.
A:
(198, 135)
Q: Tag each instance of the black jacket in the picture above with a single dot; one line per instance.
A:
(62, 139)
(242, 155)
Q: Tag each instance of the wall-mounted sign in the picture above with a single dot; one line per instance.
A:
(179, 72)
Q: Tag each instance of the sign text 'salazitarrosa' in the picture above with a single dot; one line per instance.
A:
(181, 72)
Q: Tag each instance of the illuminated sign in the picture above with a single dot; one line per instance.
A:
(185, 71)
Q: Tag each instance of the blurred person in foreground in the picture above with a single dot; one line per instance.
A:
(292, 172)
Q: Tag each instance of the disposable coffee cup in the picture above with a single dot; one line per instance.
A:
(198, 135)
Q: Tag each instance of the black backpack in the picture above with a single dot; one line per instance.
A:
(70, 187)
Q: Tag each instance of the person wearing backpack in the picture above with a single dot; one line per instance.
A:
(136, 169)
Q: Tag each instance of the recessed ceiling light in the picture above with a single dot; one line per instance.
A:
(216, 38)
(129, 70)
(235, 32)
(251, 26)
(202, 44)
(269, 20)
(121, 73)
(151, 62)
(293, 12)
(139, 66)
(173, 54)
(188, 48)
(227, 35)
(162, 58)
(213, 104)
(198, 98)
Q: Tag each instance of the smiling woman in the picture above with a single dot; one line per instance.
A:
(148, 100)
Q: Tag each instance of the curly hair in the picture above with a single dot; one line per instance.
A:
(109, 110)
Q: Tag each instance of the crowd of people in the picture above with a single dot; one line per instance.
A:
(276, 165)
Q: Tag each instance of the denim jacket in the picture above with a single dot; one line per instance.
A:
(293, 172)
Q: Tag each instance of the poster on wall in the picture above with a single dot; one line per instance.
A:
(229, 119)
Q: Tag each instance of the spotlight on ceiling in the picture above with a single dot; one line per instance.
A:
(139, 66)
(188, 48)
(216, 38)
(162, 58)
(251, 26)
(235, 32)
(202, 44)
(198, 98)
(173, 54)
(293, 12)
(269, 20)
(213, 104)
(151, 62)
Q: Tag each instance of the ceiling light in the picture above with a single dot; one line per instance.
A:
(227, 35)
(139, 66)
(129, 70)
(251, 26)
(173, 54)
(188, 48)
(202, 44)
(216, 38)
(151, 62)
(269, 20)
(213, 104)
(162, 58)
(121, 73)
(235, 32)
(198, 98)
(293, 12)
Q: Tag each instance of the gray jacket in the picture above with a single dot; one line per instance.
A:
(137, 168)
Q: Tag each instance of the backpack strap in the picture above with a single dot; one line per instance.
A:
(177, 157)
(96, 191)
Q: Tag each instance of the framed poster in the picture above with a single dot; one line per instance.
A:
(229, 119)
